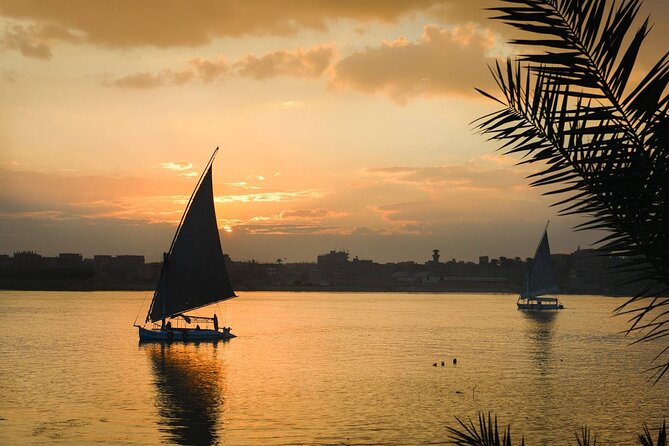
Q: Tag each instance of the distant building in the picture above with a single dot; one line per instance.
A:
(333, 260)
(70, 260)
(27, 259)
(129, 260)
(102, 259)
(435, 256)
(434, 265)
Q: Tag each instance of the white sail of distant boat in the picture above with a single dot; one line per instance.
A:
(193, 274)
(540, 280)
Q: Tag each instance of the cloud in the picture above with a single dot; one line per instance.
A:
(209, 70)
(298, 63)
(423, 200)
(311, 62)
(263, 197)
(35, 40)
(21, 39)
(442, 61)
(311, 214)
(179, 165)
(365, 231)
(66, 197)
(128, 23)
(244, 185)
(475, 175)
(292, 221)
(283, 229)
(398, 213)
(146, 80)
(305, 213)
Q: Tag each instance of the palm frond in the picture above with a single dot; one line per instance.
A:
(486, 434)
(603, 144)
(646, 439)
(584, 437)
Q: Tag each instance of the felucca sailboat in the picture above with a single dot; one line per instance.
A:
(540, 280)
(193, 275)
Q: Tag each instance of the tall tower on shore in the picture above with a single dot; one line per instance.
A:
(435, 256)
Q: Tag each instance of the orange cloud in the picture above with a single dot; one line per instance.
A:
(209, 70)
(472, 175)
(149, 80)
(179, 165)
(283, 229)
(442, 61)
(25, 193)
(35, 40)
(420, 205)
(264, 197)
(128, 23)
(312, 214)
(24, 41)
(298, 63)
(311, 62)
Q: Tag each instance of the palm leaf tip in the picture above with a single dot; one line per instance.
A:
(487, 432)
(646, 438)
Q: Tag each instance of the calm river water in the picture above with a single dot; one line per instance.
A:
(320, 368)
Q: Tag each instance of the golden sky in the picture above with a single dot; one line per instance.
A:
(342, 125)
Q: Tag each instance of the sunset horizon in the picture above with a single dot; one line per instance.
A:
(341, 126)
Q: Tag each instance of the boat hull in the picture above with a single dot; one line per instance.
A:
(182, 335)
(541, 304)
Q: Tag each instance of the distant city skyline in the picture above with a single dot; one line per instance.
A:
(422, 256)
(583, 271)
(341, 125)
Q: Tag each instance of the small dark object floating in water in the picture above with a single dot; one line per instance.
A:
(455, 361)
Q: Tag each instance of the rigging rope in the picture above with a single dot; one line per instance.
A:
(140, 309)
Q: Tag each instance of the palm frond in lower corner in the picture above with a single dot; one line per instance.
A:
(585, 438)
(486, 434)
(646, 439)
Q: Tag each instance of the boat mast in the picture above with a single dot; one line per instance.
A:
(164, 303)
(529, 277)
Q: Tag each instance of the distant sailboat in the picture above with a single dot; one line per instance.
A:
(193, 275)
(539, 281)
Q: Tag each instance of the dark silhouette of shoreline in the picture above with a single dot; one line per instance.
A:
(581, 272)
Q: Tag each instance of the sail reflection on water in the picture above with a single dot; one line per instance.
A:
(539, 332)
(190, 400)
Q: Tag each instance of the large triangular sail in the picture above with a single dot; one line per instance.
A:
(540, 277)
(194, 272)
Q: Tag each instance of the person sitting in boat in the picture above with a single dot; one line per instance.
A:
(215, 322)
(168, 326)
